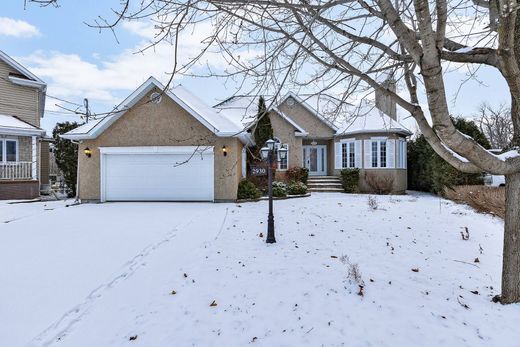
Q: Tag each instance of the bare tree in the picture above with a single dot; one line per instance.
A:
(496, 124)
(348, 48)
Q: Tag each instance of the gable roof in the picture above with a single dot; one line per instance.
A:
(31, 79)
(310, 108)
(216, 123)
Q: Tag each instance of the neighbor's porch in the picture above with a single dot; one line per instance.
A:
(19, 167)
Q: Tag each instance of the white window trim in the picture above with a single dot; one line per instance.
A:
(4, 150)
(378, 140)
(402, 154)
(349, 143)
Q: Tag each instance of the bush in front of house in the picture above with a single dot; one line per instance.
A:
(248, 190)
(279, 189)
(350, 180)
(296, 188)
(382, 184)
(298, 174)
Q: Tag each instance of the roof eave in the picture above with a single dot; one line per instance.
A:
(28, 83)
(21, 131)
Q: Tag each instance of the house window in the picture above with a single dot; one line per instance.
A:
(379, 153)
(283, 164)
(402, 154)
(348, 154)
(8, 150)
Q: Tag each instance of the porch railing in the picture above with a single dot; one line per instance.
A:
(16, 170)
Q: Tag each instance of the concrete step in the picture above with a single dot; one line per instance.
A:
(325, 185)
(324, 182)
(339, 190)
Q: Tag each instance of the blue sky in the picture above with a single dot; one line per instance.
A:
(78, 61)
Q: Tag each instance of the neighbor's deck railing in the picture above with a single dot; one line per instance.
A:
(16, 170)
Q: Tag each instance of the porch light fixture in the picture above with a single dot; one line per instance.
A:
(224, 150)
(87, 152)
(314, 143)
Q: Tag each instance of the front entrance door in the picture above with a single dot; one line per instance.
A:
(315, 159)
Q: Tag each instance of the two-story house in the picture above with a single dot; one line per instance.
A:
(22, 142)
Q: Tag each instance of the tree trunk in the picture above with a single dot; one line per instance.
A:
(511, 257)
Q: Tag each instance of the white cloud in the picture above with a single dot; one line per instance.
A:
(107, 80)
(17, 28)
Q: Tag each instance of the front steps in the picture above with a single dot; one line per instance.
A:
(324, 184)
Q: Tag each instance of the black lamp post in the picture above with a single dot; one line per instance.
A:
(269, 153)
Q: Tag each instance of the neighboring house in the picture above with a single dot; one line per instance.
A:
(172, 146)
(22, 142)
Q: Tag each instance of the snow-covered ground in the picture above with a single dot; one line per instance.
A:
(103, 275)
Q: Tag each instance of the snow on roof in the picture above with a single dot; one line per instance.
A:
(14, 124)
(368, 119)
(345, 118)
(209, 117)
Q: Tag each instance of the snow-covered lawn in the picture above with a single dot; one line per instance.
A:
(103, 275)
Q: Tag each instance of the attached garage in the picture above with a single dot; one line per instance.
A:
(157, 173)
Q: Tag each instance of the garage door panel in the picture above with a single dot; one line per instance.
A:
(158, 177)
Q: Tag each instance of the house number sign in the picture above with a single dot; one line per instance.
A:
(258, 170)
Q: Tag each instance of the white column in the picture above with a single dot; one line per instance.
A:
(34, 159)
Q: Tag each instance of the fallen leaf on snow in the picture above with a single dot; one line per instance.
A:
(132, 338)
(415, 269)
(213, 304)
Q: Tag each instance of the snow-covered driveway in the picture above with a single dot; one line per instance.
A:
(103, 275)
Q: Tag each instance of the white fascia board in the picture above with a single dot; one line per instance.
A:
(17, 66)
(27, 83)
(310, 109)
(300, 134)
(21, 131)
(158, 150)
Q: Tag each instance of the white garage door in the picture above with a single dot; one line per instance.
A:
(183, 173)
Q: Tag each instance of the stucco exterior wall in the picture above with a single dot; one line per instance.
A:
(316, 128)
(163, 124)
(398, 175)
(284, 131)
(16, 100)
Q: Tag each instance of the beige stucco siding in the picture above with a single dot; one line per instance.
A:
(44, 162)
(308, 121)
(17, 100)
(398, 175)
(284, 131)
(164, 124)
